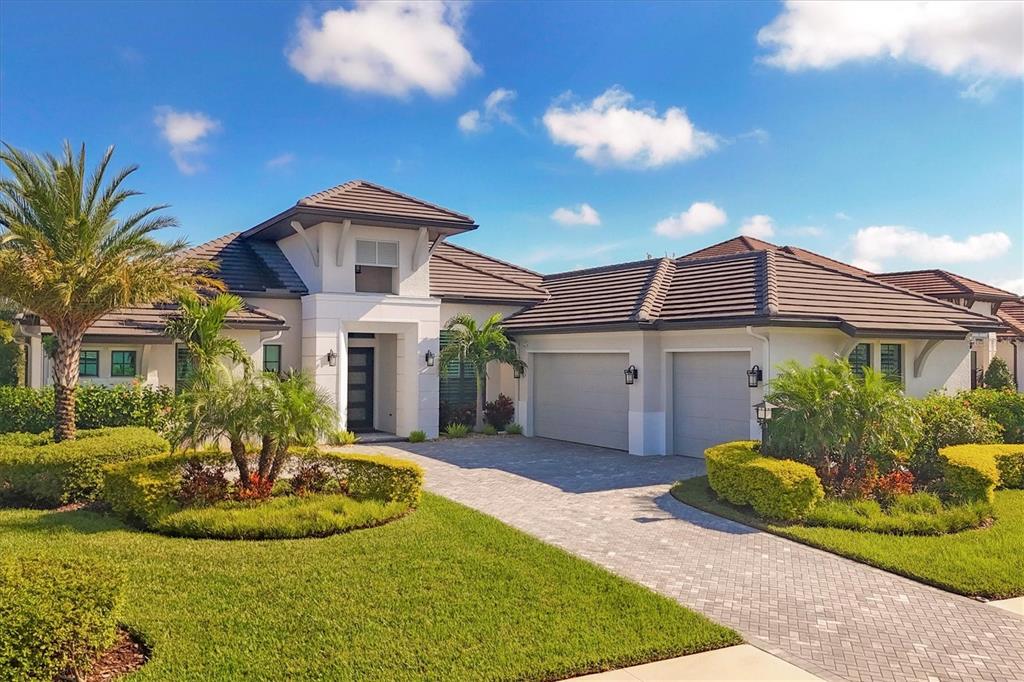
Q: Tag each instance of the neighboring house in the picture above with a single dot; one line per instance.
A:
(354, 284)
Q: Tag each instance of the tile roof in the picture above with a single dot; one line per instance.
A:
(148, 321)
(744, 244)
(362, 198)
(250, 266)
(761, 286)
(945, 284)
(1012, 314)
(459, 273)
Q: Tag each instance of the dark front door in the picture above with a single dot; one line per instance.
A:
(360, 389)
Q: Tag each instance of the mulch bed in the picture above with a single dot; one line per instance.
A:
(127, 655)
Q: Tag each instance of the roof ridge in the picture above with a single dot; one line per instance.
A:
(687, 262)
(874, 280)
(599, 268)
(654, 293)
(224, 238)
(351, 184)
(484, 255)
(958, 277)
(788, 248)
(748, 242)
(771, 284)
(493, 274)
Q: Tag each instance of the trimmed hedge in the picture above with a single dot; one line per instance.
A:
(38, 472)
(972, 472)
(1004, 407)
(144, 492)
(56, 617)
(96, 406)
(776, 488)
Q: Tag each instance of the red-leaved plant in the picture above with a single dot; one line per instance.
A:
(202, 485)
(893, 484)
(259, 488)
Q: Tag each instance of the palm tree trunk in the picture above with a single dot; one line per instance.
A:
(238, 454)
(65, 375)
(266, 455)
(280, 457)
(479, 425)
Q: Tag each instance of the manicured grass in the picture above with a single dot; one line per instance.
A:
(279, 517)
(987, 562)
(443, 593)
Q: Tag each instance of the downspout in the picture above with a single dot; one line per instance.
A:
(1016, 376)
(767, 356)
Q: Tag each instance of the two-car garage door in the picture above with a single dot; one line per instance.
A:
(581, 397)
(710, 400)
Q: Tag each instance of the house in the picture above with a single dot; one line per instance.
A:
(353, 284)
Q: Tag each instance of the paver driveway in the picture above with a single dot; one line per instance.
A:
(831, 616)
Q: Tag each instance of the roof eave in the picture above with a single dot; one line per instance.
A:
(320, 215)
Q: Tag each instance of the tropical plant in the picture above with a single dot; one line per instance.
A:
(199, 327)
(500, 411)
(998, 375)
(456, 430)
(477, 345)
(342, 437)
(947, 420)
(67, 256)
(298, 412)
(848, 427)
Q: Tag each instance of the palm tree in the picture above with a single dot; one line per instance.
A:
(199, 327)
(300, 412)
(69, 257)
(478, 345)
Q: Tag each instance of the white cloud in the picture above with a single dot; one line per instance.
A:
(388, 48)
(758, 226)
(969, 40)
(280, 161)
(842, 216)
(608, 132)
(496, 108)
(584, 214)
(571, 251)
(874, 245)
(185, 131)
(1014, 285)
(701, 217)
(806, 231)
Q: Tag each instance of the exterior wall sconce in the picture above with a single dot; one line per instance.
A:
(517, 372)
(332, 358)
(632, 374)
(429, 357)
(763, 412)
(754, 376)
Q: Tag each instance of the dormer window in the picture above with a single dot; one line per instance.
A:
(376, 266)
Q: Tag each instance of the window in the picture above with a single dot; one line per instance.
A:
(272, 358)
(458, 384)
(891, 362)
(182, 368)
(860, 358)
(122, 363)
(384, 254)
(89, 363)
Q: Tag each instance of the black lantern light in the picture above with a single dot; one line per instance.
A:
(632, 374)
(429, 357)
(763, 412)
(754, 376)
(332, 358)
(517, 371)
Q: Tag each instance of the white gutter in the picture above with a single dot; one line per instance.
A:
(767, 359)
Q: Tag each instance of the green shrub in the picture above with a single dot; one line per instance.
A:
(1004, 407)
(48, 474)
(489, 430)
(456, 430)
(999, 465)
(998, 375)
(514, 429)
(337, 438)
(917, 514)
(969, 473)
(56, 616)
(847, 426)
(280, 518)
(776, 488)
(946, 420)
(96, 406)
(500, 411)
(417, 436)
(377, 477)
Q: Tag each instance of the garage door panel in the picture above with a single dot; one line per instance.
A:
(711, 401)
(581, 397)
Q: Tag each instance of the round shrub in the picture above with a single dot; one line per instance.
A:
(972, 472)
(38, 472)
(947, 420)
(776, 488)
(149, 493)
(55, 616)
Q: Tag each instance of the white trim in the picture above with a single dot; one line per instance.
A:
(339, 257)
(737, 349)
(589, 350)
(313, 251)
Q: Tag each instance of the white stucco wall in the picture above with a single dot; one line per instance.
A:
(154, 364)
(289, 340)
(1013, 355)
(500, 378)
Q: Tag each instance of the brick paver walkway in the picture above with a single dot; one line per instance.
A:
(831, 616)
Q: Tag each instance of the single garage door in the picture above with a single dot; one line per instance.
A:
(581, 397)
(711, 402)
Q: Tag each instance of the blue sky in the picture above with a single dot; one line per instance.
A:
(889, 135)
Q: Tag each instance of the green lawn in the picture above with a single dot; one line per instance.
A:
(988, 562)
(444, 593)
